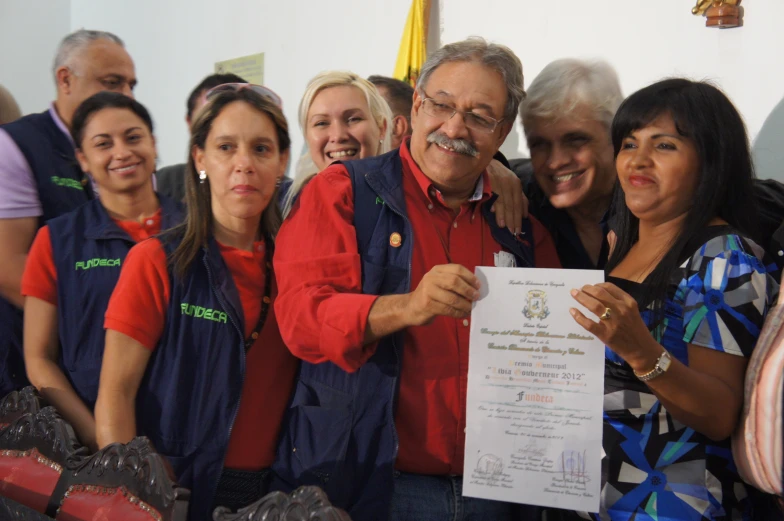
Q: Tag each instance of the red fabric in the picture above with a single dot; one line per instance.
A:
(27, 481)
(321, 311)
(40, 275)
(545, 254)
(270, 368)
(39, 279)
(138, 308)
(140, 298)
(138, 231)
(324, 316)
(81, 505)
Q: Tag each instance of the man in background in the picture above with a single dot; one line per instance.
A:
(171, 179)
(400, 97)
(39, 176)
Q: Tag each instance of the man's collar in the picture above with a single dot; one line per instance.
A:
(479, 192)
(59, 122)
(482, 191)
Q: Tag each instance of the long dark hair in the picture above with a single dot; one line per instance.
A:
(703, 114)
(105, 100)
(198, 225)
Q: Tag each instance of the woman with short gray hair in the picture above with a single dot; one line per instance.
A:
(565, 85)
(566, 117)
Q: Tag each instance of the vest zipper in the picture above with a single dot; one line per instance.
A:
(400, 362)
(242, 375)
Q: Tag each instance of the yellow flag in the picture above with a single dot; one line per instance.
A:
(413, 45)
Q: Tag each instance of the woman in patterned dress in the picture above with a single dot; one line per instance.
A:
(686, 295)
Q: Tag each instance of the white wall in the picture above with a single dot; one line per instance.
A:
(175, 43)
(29, 34)
(645, 41)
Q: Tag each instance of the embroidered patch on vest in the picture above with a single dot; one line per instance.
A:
(215, 315)
(64, 181)
(95, 263)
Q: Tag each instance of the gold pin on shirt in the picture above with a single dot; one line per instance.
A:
(395, 240)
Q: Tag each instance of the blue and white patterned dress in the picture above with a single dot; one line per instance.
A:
(655, 468)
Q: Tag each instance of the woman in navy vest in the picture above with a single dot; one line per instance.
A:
(193, 357)
(75, 260)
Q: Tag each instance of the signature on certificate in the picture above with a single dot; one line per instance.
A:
(532, 449)
(572, 466)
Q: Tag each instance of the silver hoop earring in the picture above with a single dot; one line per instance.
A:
(202, 176)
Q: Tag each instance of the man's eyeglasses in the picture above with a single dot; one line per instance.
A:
(258, 89)
(472, 120)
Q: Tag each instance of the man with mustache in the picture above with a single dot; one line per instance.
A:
(375, 273)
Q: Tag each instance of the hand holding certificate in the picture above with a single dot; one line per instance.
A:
(535, 391)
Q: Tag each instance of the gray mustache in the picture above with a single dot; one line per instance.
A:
(461, 146)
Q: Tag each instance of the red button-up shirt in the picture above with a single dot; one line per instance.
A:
(323, 315)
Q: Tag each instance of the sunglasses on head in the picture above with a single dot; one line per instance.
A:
(258, 89)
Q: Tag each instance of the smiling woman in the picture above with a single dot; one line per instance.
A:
(118, 149)
(343, 117)
(341, 127)
(75, 260)
(686, 297)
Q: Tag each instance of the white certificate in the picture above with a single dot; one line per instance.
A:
(535, 392)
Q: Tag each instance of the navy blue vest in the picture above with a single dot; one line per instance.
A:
(190, 394)
(339, 432)
(62, 186)
(60, 183)
(89, 249)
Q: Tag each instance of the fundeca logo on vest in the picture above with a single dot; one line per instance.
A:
(194, 311)
(64, 181)
(97, 262)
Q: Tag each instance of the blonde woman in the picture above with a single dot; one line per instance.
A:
(343, 117)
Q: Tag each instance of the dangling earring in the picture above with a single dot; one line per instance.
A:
(278, 182)
(202, 176)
